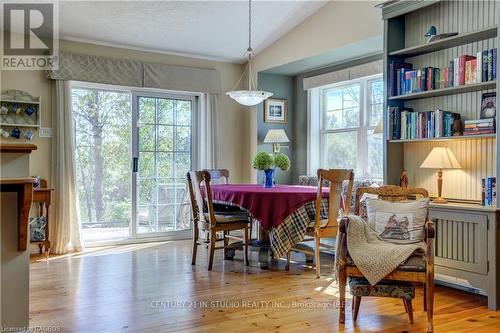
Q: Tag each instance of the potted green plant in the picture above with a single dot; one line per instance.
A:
(268, 162)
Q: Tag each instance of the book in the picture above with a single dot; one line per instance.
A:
(470, 71)
(485, 66)
(491, 192)
(483, 192)
(488, 105)
(494, 64)
(490, 65)
(461, 67)
(479, 68)
(455, 73)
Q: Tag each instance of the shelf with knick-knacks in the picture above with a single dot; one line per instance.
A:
(20, 113)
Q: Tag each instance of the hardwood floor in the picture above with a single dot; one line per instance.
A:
(153, 288)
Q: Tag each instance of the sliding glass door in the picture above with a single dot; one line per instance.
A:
(103, 136)
(163, 154)
(133, 150)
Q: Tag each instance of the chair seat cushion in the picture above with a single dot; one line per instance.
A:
(396, 289)
(415, 263)
(225, 217)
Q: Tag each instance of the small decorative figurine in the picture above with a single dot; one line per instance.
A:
(431, 32)
(403, 180)
(4, 109)
(431, 35)
(457, 125)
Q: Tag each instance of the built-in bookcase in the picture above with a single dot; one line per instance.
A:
(405, 24)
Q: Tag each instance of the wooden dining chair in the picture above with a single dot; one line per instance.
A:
(205, 218)
(418, 269)
(218, 176)
(327, 228)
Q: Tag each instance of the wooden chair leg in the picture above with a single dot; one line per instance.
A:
(288, 254)
(357, 303)
(404, 303)
(425, 297)
(342, 286)
(409, 309)
(213, 238)
(195, 243)
(430, 302)
(317, 255)
(226, 242)
(245, 247)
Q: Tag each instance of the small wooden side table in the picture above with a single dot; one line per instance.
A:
(43, 197)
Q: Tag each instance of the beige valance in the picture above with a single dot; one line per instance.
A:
(181, 78)
(346, 74)
(89, 68)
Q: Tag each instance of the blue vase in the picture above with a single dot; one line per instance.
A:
(269, 181)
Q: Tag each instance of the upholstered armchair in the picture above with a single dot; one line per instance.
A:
(418, 269)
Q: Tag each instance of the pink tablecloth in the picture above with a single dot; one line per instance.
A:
(268, 205)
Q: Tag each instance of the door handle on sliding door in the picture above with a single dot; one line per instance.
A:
(135, 164)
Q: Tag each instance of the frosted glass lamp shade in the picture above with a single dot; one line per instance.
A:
(440, 158)
(249, 97)
(276, 136)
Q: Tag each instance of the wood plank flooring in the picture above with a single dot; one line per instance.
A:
(153, 288)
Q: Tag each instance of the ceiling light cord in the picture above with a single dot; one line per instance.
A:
(249, 26)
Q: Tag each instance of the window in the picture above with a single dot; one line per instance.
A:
(133, 149)
(348, 113)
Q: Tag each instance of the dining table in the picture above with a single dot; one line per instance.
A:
(283, 213)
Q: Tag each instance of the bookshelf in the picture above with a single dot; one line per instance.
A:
(405, 23)
(446, 138)
(447, 91)
(467, 234)
(464, 38)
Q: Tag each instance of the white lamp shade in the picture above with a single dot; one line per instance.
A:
(440, 158)
(379, 128)
(249, 97)
(276, 136)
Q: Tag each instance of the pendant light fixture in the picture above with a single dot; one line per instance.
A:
(252, 96)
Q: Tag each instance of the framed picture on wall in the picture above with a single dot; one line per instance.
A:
(275, 111)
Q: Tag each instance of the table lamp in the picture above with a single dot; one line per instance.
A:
(276, 136)
(440, 158)
(379, 128)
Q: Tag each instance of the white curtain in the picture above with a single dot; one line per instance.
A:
(66, 234)
(208, 139)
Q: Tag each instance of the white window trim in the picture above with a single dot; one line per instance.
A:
(316, 131)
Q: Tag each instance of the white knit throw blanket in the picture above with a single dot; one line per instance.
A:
(374, 257)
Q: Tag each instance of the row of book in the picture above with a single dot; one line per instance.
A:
(481, 126)
(482, 67)
(465, 69)
(406, 124)
(489, 191)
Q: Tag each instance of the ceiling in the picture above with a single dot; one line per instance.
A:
(206, 29)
